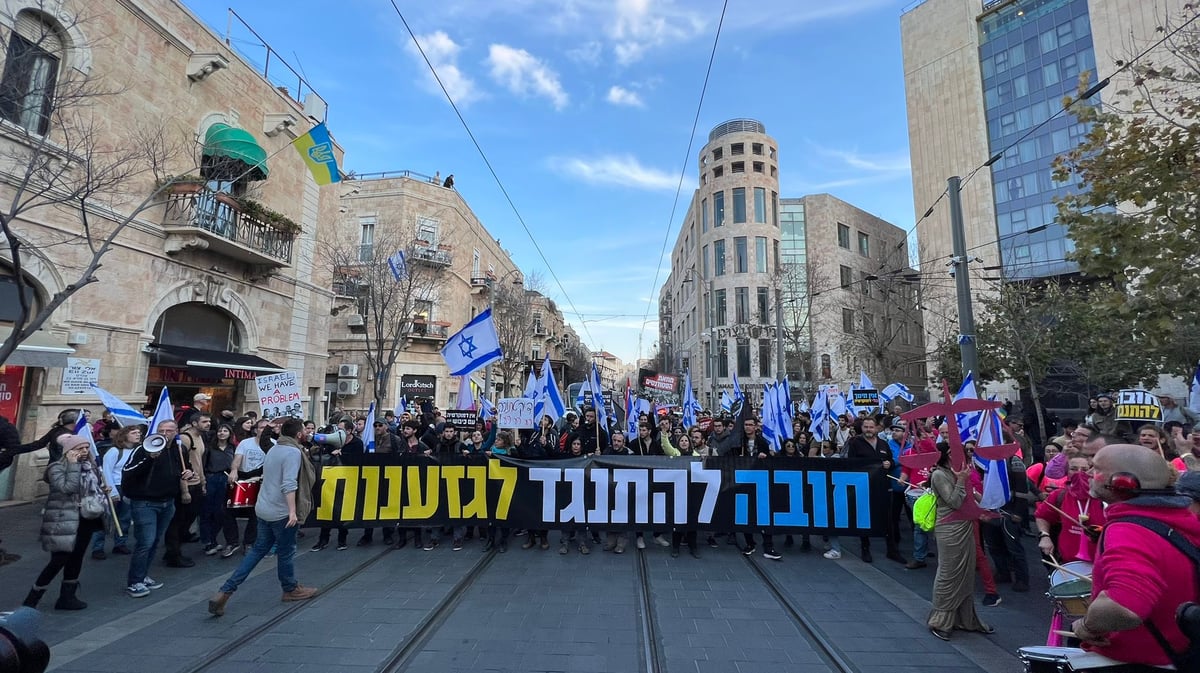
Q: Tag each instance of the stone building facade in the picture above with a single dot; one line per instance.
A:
(211, 285)
(379, 215)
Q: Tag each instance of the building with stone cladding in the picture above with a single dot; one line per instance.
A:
(213, 284)
(752, 275)
(445, 242)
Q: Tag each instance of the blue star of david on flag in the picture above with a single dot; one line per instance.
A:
(473, 347)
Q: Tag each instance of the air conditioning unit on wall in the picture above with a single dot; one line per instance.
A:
(347, 371)
(354, 320)
(347, 387)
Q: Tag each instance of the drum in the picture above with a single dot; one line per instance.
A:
(1064, 660)
(244, 493)
(1070, 594)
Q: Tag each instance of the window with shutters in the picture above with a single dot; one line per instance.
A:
(30, 74)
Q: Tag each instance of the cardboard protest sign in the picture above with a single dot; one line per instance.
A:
(279, 395)
(1138, 405)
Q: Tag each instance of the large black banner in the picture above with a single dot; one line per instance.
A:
(807, 495)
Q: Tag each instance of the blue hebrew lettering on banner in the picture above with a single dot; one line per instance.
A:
(803, 495)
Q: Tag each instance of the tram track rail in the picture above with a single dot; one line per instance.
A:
(405, 653)
(214, 656)
(652, 654)
(821, 644)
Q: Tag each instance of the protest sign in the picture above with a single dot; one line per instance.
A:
(279, 395)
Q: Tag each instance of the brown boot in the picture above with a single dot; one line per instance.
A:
(216, 604)
(300, 593)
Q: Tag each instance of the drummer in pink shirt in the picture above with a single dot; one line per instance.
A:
(1139, 576)
(1082, 509)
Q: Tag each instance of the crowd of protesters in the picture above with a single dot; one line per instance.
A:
(179, 496)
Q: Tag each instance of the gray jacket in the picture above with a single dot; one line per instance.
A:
(60, 517)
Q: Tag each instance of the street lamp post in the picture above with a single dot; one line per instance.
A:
(711, 359)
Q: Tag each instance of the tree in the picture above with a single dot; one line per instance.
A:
(799, 285)
(1039, 331)
(1134, 219)
(518, 321)
(394, 310)
(57, 157)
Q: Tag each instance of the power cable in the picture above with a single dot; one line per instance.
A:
(491, 169)
(687, 157)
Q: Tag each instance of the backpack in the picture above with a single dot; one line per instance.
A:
(925, 511)
(305, 483)
(1187, 616)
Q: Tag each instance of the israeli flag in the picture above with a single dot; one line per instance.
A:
(487, 409)
(122, 413)
(631, 415)
(84, 431)
(401, 406)
(531, 386)
(466, 396)
(820, 417)
(726, 402)
(690, 406)
(837, 406)
(369, 430)
(598, 398)
(163, 412)
(996, 488)
(473, 347)
(968, 423)
(550, 402)
(896, 390)
(398, 265)
(803, 408)
(770, 418)
(737, 390)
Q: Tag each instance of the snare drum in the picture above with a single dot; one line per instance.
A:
(1064, 660)
(1071, 595)
(244, 493)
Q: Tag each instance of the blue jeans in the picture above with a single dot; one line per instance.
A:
(214, 517)
(123, 518)
(920, 537)
(150, 520)
(270, 533)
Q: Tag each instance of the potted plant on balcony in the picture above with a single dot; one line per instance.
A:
(183, 184)
(271, 218)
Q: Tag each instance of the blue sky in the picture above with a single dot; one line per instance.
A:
(584, 108)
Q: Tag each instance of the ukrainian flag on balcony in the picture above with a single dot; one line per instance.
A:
(316, 148)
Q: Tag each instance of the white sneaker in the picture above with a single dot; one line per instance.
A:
(661, 541)
(641, 543)
(152, 583)
(833, 554)
(137, 590)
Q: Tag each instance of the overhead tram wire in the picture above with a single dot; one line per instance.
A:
(687, 157)
(491, 169)
(1091, 91)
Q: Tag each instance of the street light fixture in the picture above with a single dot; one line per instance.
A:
(707, 336)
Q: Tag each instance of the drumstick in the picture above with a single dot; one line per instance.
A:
(1067, 570)
(1066, 634)
(1068, 516)
(107, 496)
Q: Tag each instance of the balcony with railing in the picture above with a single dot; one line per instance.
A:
(431, 330)
(434, 256)
(198, 218)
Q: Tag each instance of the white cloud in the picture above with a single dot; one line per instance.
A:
(892, 164)
(524, 74)
(442, 52)
(617, 170)
(587, 53)
(618, 95)
(640, 25)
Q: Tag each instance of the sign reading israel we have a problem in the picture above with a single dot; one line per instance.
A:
(279, 395)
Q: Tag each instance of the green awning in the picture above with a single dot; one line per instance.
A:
(230, 152)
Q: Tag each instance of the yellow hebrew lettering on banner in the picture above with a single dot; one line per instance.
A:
(330, 478)
(370, 477)
(422, 506)
(393, 479)
(478, 507)
(507, 476)
(452, 474)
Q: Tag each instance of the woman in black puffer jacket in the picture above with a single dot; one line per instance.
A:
(65, 534)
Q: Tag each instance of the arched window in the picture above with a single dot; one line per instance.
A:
(10, 304)
(31, 64)
(197, 325)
